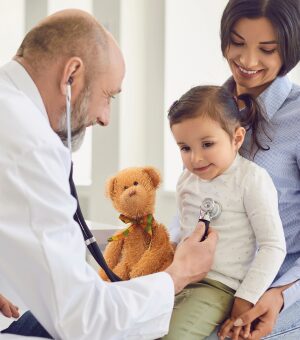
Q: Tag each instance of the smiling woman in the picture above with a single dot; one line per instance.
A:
(253, 55)
(260, 40)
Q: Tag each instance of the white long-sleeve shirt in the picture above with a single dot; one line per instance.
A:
(249, 220)
(42, 253)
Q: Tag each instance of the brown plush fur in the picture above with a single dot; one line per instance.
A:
(132, 192)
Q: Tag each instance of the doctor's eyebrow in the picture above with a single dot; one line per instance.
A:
(261, 42)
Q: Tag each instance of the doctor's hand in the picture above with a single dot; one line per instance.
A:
(193, 259)
(7, 308)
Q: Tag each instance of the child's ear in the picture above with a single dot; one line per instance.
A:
(239, 136)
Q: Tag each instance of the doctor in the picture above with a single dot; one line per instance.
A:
(42, 253)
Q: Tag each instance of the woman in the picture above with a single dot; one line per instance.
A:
(260, 40)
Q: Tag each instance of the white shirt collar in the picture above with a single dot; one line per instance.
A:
(22, 80)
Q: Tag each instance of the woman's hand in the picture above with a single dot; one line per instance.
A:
(7, 308)
(240, 307)
(264, 314)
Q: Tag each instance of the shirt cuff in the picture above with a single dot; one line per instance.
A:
(174, 230)
(291, 295)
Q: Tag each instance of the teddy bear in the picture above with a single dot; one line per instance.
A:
(143, 247)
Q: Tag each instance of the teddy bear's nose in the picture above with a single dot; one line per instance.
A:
(132, 193)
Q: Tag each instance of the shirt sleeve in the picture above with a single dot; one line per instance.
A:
(42, 256)
(174, 229)
(291, 294)
(261, 204)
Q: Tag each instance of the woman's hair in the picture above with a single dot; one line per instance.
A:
(218, 104)
(284, 15)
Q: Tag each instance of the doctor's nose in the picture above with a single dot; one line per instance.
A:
(104, 118)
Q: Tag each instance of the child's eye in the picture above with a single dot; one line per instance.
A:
(125, 187)
(206, 145)
(185, 148)
(135, 183)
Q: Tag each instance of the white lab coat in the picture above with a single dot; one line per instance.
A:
(42, 253)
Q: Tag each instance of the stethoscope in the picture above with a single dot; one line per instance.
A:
(209, 210)
(89, 238)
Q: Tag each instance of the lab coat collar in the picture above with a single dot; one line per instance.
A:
(22, 80)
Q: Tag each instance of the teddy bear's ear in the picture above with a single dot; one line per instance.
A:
(110, 186)
(153, 174)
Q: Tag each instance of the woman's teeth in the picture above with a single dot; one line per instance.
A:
(247, 72)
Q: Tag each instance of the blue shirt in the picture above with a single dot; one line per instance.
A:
(281, 101)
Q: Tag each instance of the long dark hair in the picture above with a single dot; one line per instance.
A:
(217, 103)
(284, 15)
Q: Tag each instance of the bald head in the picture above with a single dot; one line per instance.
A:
(63, 35)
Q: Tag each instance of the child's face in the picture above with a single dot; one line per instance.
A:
(253, 55)
(206, 149)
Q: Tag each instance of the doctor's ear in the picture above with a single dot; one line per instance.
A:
(73, 74)
(239, 136)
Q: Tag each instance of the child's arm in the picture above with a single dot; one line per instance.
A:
(261, 204)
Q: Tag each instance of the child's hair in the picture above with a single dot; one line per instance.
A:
(284, 16)
(218, 104)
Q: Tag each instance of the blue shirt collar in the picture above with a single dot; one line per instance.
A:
(274, 95)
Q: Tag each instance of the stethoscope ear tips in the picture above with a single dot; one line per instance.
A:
(70, 81)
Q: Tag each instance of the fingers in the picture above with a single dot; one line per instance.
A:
(212, 237)
(14, 311)
(236, 333)
(249, 316)
(6, 311)
(198, 232)
(225, 329)
(7, 308)
(246, 331)
(9, 311)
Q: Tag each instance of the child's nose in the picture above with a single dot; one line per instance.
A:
(197, 157)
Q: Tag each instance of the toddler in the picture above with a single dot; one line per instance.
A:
(209, 130)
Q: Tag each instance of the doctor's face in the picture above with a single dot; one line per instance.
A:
(93, 103)
(104, 85)
(79, 120)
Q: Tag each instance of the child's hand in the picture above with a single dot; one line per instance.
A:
(240, 306)
(7, 308)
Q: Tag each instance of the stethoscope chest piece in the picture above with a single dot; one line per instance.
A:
(209, 210)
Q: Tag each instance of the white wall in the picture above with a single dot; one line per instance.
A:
(12, 27)
(169, 46)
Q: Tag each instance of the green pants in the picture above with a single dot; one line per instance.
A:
(199, 309)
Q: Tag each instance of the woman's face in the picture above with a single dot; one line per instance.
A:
(253, 55)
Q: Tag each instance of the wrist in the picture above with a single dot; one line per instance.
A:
(179, 281)
(280, 298)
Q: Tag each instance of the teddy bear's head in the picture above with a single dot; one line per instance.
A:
(132, 191)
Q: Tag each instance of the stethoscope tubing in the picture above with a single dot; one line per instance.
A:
(206, 223)
(89, 238)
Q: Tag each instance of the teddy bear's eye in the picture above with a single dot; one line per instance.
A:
(135, 183)
(125, 187)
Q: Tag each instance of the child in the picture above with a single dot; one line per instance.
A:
(209, 130)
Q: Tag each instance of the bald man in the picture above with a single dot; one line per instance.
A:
(42, 253)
